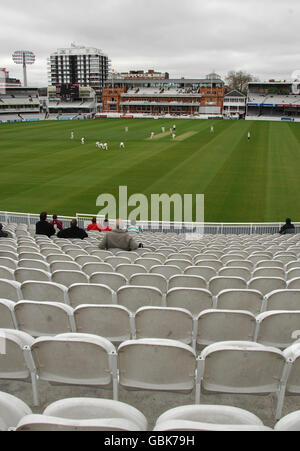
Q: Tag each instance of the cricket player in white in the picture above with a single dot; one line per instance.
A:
(122, 145)
(105, 146)
(249, 136)
(152, 134)
(82, 140)
(72, 135)
(212, 129)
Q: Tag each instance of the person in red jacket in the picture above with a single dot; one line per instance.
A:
(56, 223)
(94, 225)
(106, 227)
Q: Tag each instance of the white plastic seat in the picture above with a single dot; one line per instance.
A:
(292, 353)
(166, 270)
(220, 283)
(269, 272)
(12, 410)
(156, 364)
(83, 259)
(23, 274)
(184, 425)
(195, 300)
(95, 408)
(14, 359)
(150, 280)
(148, 263)
(128, 254)
(155, 255)
(114, 261)
(182, 264)
(68, 278)
(202, 271)
(76, 359)
(9, 254)
(7, 273)
(269, 264)
(276, 328)
(102, 254)
(76, 252)
(249, 300)
(59, 257)
(240, 263)
(224, 325)
(10, 289)
(31, 256)
(266, 284)
(7, 314)
(91, 268)
(110, 321)
(34, 264)
(44, 291)
(231, 367)
(129, 270)
(8, 262)
(164, 322)
(85, 293)
(209, 415)
(44, 318)
(186, 281)
(289, 423)
(134, 297)
(293, 284)
(50, 250)
(283, 300)
(233, 271)
(216, 264)
(43, 423)
(293, 273)
(111, 279)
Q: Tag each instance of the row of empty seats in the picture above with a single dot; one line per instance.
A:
(279, 328)
(151, 364)
(93, 414)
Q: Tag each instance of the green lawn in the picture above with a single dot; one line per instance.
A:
(43, 169)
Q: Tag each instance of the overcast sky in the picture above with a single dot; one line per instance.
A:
(187, 38)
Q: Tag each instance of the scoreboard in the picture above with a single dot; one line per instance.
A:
(67, 91)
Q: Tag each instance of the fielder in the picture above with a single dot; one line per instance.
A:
(72, 135)
(122, 145)
(212, 130)
(105, 146)
(82, 141)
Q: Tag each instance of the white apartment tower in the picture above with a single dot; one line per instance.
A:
(78, 66)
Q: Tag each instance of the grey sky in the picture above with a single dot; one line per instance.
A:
(185, 38)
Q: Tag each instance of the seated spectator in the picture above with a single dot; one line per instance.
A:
(106, 227)
(118, 239)
(73, 231)
(133, 227)
(288, 227)
(3, 234)
(43, 227)
(94, 226)
(57, 224)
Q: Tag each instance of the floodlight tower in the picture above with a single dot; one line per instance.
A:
(24, 57)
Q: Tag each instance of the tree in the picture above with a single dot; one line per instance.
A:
(239, 80)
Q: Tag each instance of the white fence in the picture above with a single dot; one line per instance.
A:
(157, 226)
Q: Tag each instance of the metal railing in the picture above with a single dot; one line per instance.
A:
(157, 226)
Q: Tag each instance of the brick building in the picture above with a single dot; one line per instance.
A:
(160, 96)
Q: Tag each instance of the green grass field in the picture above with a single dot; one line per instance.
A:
(257, 181)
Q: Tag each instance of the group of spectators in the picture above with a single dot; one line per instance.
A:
(117, 238)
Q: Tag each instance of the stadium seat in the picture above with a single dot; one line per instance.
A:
(195, 300)
(156, 364)
(220, 283)
(148, 263)
(85, 293)
(7, 273)
(69, 277)
(186, 281)
(150, 280)
(234, 299)
(114, 261)
(10, 290)
(44, 318)
(44, 291)
(129, 270)
(91, 268)
(164, 322)
(113, 322)
(276, 328)
(224, 325)
(23, 274)
(7, 315)
(34, 264)
(8, 262)
(266, 284)
(216, 264)
(134, 297)
(208, 415)
(128, 254)
(83, 259)
(231, 367)
(155, 255)
(12, 410)
(166, 270)
(111, 279)
(76, 359)
(233, 271)
(269, 272)
(95, 408)
(283, 300)
(14, 362)
(289, 423)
